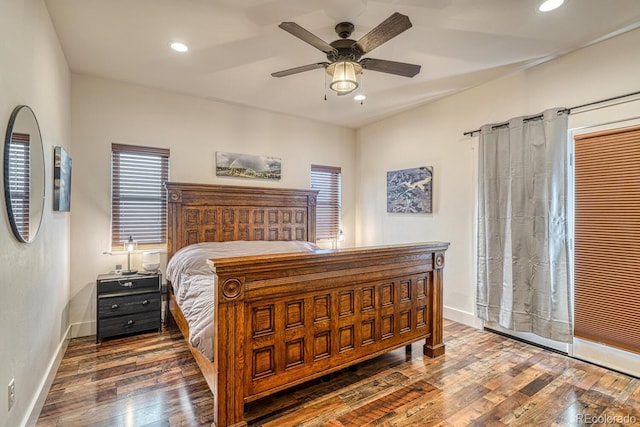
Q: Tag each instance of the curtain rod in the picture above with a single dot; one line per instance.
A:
(568, 110)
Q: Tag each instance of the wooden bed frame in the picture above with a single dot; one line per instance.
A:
(281, 320)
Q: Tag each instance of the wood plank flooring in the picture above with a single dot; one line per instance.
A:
(484, 379)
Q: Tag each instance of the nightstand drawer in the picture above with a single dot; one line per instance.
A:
(128, 304)
(129, 324)
(127, 284)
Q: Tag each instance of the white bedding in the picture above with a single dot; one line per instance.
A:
(193, 280)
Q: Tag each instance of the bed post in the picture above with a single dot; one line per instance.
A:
(228, 351)
(312, 200)
(434, 346)
(174, 204)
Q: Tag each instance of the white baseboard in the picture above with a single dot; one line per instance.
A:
(37, 402)
(83, 329)
(463, 317)
(530, 337)
(606, 356)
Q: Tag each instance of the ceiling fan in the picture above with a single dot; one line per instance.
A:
(344, 54)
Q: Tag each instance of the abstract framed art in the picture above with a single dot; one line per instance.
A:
(410, 190)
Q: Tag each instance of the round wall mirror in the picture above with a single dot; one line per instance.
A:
(24, 173)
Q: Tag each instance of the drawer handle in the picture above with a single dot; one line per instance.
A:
(126, 284)
(130, 322)
(145, 302)
(115, 306)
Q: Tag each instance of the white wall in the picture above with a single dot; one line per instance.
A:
(432, 135)
(35, 276)
(105, 111)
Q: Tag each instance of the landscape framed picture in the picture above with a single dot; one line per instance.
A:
(248, 166)
(410, 190)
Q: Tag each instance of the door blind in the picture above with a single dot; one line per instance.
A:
(138, 196)
(607, 238)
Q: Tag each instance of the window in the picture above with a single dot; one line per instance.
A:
(138, 196)
(328, 180)
(19, 181)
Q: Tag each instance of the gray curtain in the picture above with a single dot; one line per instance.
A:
(523, 268)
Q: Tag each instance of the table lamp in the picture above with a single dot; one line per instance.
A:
(129, 245)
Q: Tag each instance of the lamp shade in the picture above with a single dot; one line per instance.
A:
(130, 245)
(344, 76)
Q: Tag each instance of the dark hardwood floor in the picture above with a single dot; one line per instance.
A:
(483, 380)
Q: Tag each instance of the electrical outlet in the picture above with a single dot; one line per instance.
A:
(12, 392)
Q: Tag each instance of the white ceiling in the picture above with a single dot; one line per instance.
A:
(235, 45)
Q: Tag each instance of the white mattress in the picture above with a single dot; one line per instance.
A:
(193, 280)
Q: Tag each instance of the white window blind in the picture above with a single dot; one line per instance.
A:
(138, 196)
(19, 180)
(328, 180)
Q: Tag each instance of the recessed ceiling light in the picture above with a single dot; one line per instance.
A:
(360, 97)
(179, 47)
(550, 5)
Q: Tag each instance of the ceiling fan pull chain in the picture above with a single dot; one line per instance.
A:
(324, 87)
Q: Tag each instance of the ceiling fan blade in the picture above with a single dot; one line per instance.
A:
(306, 36)
(391, 67)
(302, 69)
(388, 29)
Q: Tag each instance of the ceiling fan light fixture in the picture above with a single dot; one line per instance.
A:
(344, 76)
(344, 55)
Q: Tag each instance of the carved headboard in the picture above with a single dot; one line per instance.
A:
(219, 213)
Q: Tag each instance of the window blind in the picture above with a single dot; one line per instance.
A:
(138, 197)
(19, 181)
(607, 238)
(328, 180)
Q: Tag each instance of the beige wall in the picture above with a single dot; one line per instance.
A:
(105, 111)
(35, 276)
(432, 135)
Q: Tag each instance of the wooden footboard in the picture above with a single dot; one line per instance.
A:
(285, 319)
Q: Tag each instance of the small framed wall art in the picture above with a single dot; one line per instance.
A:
(410, 190)
(61, 180)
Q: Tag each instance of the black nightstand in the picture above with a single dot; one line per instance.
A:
(128, 304)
